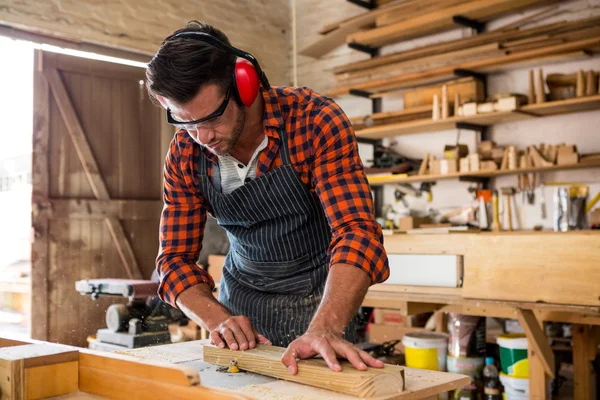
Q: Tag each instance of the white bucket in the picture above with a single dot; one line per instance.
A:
(426, 350)
(515, 388)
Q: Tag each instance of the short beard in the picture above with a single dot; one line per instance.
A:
(236, 132)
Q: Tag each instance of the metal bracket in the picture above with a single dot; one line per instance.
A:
(470, 127)
(465, 73)
(372, 51)
(369, 5)
(477, 179)
(360, 93)
(469, 23)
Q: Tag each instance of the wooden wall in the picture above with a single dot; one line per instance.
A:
(140, 26)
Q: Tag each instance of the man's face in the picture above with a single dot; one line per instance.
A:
(220, 134)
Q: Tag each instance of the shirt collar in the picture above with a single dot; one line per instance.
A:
(272, 116)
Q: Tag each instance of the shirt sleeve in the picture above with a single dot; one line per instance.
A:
(181, 231)
(342, 187)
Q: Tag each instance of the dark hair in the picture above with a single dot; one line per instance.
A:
(182, 66)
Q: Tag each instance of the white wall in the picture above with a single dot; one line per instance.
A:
(582, 129)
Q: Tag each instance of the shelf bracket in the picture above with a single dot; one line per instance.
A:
(465, 73)
(372, 51)
(360, 93)
(374, 142)
(469, 23)
(476, 179)
(369, 5)
(470, 127)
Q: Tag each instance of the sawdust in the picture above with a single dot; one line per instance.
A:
(266, 393)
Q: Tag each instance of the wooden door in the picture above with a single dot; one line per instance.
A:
(97, 178)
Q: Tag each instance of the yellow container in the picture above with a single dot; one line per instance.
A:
(426, 350)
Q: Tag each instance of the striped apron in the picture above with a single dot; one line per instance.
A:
(277, 265)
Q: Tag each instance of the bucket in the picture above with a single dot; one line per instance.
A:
(513, 355)
(426, 350)
(471, 366)
(515, 388)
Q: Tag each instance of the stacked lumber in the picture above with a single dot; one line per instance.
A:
(393, 21)
(430, 16)
(487, 52)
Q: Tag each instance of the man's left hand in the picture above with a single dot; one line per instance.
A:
(330, 346)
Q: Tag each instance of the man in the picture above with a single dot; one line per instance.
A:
(279, 169)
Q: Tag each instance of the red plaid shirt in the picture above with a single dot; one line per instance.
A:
(324, 153)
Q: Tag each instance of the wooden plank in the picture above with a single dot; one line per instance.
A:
(538, 382)
(91, 169)
(577, 104)
(438, 21)
(336, 37)
(39, 354)
(266, 360)
(40, 192)
(522, 21)
(99, 209)
(585, 347)
(12, 379)
(4, 342)
(537, 339)
(570, 274)
(477, 65)
(52, 380)
(383, 180)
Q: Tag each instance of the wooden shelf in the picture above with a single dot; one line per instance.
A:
(383, 180)
(588, 103)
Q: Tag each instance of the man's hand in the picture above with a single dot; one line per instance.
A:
(237, 332)
(198, 303)
(329, 346)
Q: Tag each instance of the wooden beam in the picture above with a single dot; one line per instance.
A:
(537, 339)
(40, 183)
(585, 347)
(266, 360)
(98, 209)
(90, 166)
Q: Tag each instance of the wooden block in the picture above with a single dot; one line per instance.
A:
(540, 94)
(508, 103)
(580, 90)
(434, 167)
(445, 102)
(590, 81)
(52, 380)
(424, 164)
(436, 108)
(486, 145)
(469, 109)
(10, 342)
(407, 223)
(485, 108)
(531, 87)
(497, 154)
(266, 360)
(537, 339)
(464, 164)
(564, 149)
(467, 89)
(537, 159)
(474, 164)
(448, 166)
(504, 163)
(488, 166)
(567, 158)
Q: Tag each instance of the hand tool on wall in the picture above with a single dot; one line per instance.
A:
(543, 202)
(496, 219)
(531, 190)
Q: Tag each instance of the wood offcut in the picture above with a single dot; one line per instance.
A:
(266, 360)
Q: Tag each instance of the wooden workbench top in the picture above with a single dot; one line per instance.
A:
(420, 384)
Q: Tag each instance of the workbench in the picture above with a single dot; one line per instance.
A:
(530, 276)
(174, 370)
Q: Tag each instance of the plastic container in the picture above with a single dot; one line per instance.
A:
(515, 388)
(426, 350)
(470, 366)
(513, 355)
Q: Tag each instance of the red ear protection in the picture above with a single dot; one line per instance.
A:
(246, 82)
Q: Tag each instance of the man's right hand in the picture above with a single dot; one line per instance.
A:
(199, 304)
(237, 333)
